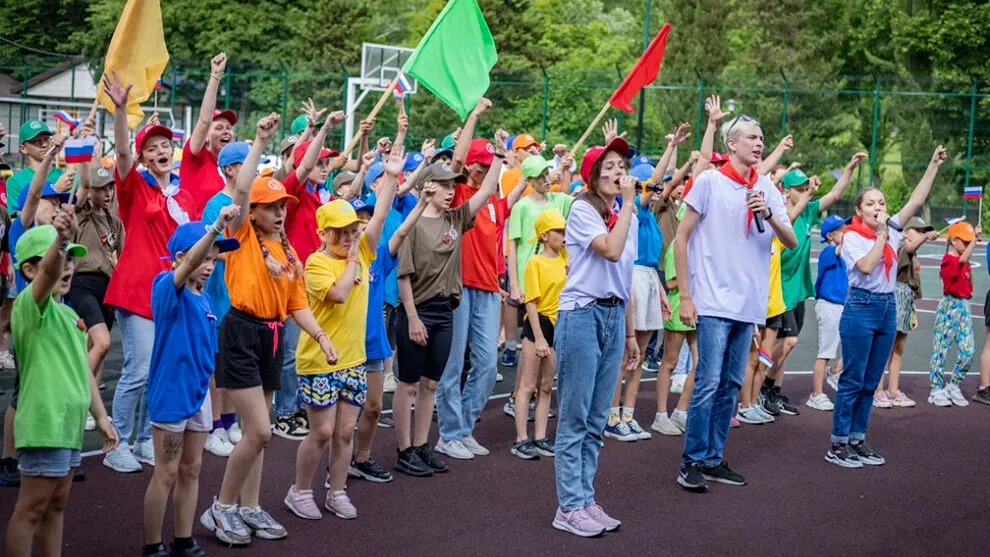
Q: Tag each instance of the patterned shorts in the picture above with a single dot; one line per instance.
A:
(323, 390)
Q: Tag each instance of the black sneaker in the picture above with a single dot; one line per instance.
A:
(385, 421)
(193, 550)
(692, 478)
(158, 551)
(411, 464)
(78, 475)
(768, 399)
(866, 454)
(784, 404)
(9, 475)
(426, 455)
(303, 420)
(369, 470)
(290, 427)
(525, 450)
(544, 447)
(982, 396)
(723, 474)
(842, 455)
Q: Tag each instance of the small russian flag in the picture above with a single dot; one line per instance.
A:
(973, 192)
(954, 220)
(402, 86)
(765, 358)
(178, 135)
(66, 118)
(158, 84)
(78, 151)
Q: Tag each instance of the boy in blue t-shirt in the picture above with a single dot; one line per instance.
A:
(377, 347)
(831, 289)
(182, 361)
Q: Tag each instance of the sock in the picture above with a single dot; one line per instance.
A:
(627, 414)
(227, 419)
(510, 344)
(777, 390)
(217, 424)
(182, 543)
(768, 383)
(613, 415)
(981, 388)
(661, 416)
(151, 549)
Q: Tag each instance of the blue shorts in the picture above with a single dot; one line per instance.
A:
(47, 462)
(325, 389)
(375, 365)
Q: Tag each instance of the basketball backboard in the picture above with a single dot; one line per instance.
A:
(381, 63)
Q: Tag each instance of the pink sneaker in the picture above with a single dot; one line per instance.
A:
(733, 422)
(302, 505)
(900, 400)
(596, 512)
(881, 400)
(340, 504)
(577, 522)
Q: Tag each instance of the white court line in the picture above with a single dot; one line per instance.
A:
(506, 395)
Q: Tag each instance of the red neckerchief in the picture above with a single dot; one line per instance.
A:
(730, 171)
(889, 255)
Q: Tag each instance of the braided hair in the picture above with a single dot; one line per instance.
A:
(293, 268)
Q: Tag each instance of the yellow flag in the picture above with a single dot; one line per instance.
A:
(138, 54)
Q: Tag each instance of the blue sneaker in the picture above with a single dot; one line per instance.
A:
(620, 432)
(651, 364)
(509, 358)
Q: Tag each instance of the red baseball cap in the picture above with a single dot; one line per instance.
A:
(481, 152)
(719, 157)
(592, 155)
(228, 114)
(300, 152)
(149, 131)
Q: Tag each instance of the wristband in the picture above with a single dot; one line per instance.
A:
(630, 336)
(217, 229)
(319, 335)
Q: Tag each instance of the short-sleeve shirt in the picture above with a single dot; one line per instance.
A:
(252, 288)
(592, 276)
(521, 227)
(775, 306)
(16, 231)
(479, 260)
(21, 180)
(665, 211)
(833, 280)
(673, 296)
(431, 254)
(300, 218)
(103, 235)
(342, 322)
(401, 207)
(54, 374)
(144, 212)
(957, 277)
(183, 353)
(728, 260)
(855, 247)
(795, 264)
(201, 174)
(376, 343)
(216, 285)
(909, 270)
(545, 280)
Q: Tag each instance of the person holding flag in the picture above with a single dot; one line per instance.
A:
(213, 131)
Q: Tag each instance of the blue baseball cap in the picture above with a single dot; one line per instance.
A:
(831, 223)
(367, 205)
(642, 159)
(47, 191)
(413, 160)
(508, 142)
(233, 153)
(374, 172)
(186, 236)
(642, 172)
(441, 153)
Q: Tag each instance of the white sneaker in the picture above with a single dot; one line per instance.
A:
(938, 397)
(767, 416)
(679, 419)
(7, 360)
(218, 444)
(833, 380)
(90, 422)
(955, 395)
(144, 451)
(454, 449)
(499, 378)
(677, 383)
(664, 426)
(390, 382)
(820, 402)
(234, 434)
(750, 416)
(642, 434)
(473, 446)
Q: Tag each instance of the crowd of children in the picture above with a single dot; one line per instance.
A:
(241, 294)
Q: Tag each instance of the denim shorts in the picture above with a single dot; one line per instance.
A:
(47, 462)
(377, 364)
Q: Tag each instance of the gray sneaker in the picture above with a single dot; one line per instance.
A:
(262, 523)
(122, 460)
(226, 524)
(144, 451)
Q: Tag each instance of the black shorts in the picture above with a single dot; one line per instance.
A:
(388, 317)
(986, 310)
(415, 361)
(775, 322)
(86, 295)
(793, 322)
(17, 380)
(545, 325)
(248, 355)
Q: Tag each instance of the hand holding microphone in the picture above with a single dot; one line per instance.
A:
(757, 204)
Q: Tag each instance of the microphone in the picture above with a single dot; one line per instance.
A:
(758, 217)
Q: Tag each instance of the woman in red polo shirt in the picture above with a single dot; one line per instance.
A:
(151, 207)
(214, 130)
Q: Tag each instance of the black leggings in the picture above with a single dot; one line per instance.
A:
(416, 361)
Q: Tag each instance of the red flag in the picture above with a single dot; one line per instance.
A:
(643, 73)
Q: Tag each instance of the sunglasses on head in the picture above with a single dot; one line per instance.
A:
(740, 118)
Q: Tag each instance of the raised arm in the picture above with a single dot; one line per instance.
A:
(52, 264)
(840, 187)
(308, 162)
(924, 187)
(714, 107)
(196, 254)
(967, 253)
(480, 197)
(425, 196)
(118, 93)
(413, 180)
(37, 185)
(202, 129)
(768, 163)
(385, 194)
(402, 121)
(249, 170)
(467, 134)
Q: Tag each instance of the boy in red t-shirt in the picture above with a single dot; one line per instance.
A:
(953, 322)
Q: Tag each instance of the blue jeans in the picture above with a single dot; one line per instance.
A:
(723, 349)
(287, 397)
(130, 406)
(476, 321)
(867, 330)
(589, 342)
(683, 360)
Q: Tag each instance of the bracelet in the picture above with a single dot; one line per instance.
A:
(319, 335)
(350, 260)
(219, 77)
(217, 229)
(63, 247)
(630, 336)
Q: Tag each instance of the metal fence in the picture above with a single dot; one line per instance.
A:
(897, 120)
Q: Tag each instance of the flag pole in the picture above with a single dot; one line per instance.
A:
(95, 106)
(979, 220)
(588, 131)
(374, 112)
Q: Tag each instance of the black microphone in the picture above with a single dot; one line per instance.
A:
(758, 217)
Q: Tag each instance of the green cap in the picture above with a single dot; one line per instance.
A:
(448, 142)
(35, 242)
(533, 166)
(300, 124)
(32, 129)
(794, 178)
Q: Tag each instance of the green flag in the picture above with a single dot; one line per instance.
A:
(455, 56)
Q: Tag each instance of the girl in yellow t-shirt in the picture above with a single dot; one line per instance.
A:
(337, 287)
(546, 274)
(750, 410)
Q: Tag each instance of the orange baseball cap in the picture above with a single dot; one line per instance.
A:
(962, 230)
(524, 141)
(266, 189)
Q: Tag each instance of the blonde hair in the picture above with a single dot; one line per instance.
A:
(735, 127)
